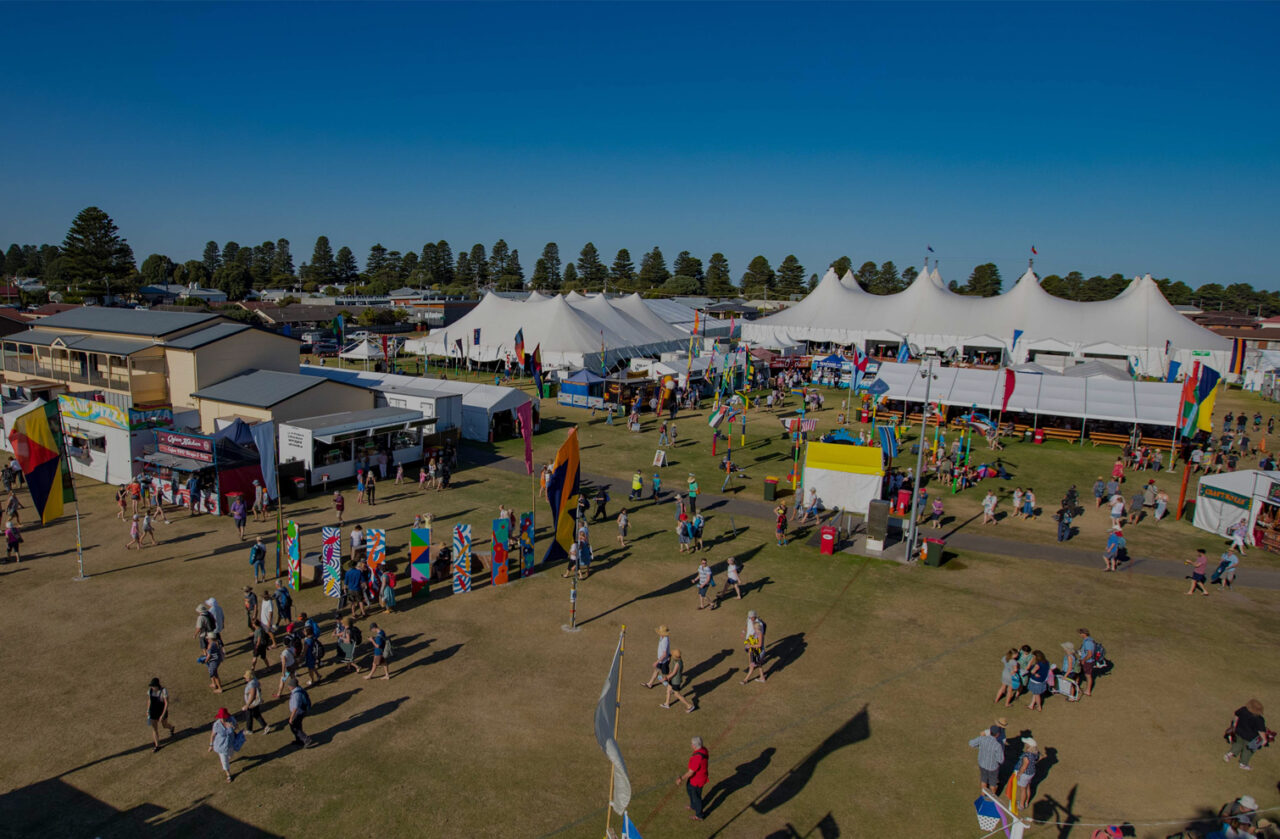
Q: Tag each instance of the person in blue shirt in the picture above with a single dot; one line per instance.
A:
(381, 652)
(1115, 544)
(353, 581)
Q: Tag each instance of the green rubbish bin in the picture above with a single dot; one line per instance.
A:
(770, 489)
(933, 552)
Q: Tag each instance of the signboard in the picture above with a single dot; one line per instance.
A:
(878, 388)
(100, 413)
(1225, 496)
(1273, 494)
(660, 457)
(191, 446)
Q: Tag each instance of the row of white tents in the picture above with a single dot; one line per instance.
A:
(1138, 328)
(573, 330)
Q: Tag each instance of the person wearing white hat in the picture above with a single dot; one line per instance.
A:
(1026, 770)
(753, 639)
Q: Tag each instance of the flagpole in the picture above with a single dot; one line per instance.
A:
(280, 509)
(617, 708)
(75, 499)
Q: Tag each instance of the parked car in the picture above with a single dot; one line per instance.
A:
(325, 349)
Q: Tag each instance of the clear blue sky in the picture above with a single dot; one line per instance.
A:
(1128, 138)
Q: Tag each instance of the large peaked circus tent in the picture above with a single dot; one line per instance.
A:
(573, 330)
(1133, 327)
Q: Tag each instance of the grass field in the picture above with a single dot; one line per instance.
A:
(882, 673)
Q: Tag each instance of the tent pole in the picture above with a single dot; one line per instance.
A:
(75, 498)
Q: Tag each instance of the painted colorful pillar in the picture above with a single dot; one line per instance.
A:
(461, 558)
(526, 543)
(331, 560)
(501, 538)
(419, 559)
(377, 542)
(293, 551)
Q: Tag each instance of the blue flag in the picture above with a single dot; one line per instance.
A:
(340, 325)
(629, 830)
(1174, 368)
(888, 441)
(1017, 333)
(904, 353)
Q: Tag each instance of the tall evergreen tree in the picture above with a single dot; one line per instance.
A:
(463, 273)
(541, 279)
(282, 263)
(323, 270)
(842, 266)
(622, 274)
(233, 278)
(758, 279)
(443, 270)
(813, 281)
(653, 269)
(230, 252)
(479, 265)
(375, 266)
(984, 281)
(551, 253)
(157, 269)
(345, 268)
(908, 276)
(570, 279)
(427, 264)
(212, 257)
(408, 266)
(591, 273)
(719, 283)
(887, 279)
(867, 275)
(93, 251)
(687, 265)
(13, 260)
(498, 258)
(512, 277)
(790, 277)
(263, 258)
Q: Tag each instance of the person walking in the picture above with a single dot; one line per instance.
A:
(1248, 733)
(193, 494)
(734, 576)
(387, 589)
(696, 526)
(780, 524)
(1010, 678)
(1063, 517)
(267, 614)
(624, 523)
(370, 488)
(239, 515)
(753, 640)
(1026, 770)
(258, 560)
(353, 584)
(637, 486)
(213, 658)
(288, 666)
(284, 602)
(225, 740)
(693, 494)
(1115, 544)
(989, 507)
(1088, 654)
(381, 653)
(602, 500)
(1225, 574)
(704, 581)
(357, 544)
(339, 505)
(13, 541)
(1199, 569)
(674, 680)
(258, 645)
(656, 486)
(662, 664)
(695, 777)
(13, 505)
(990, 758)
(158, 712)
(205, 627)
(1099, 492)
(135, 534)
(252, 707)
(299, 707)
(259, 501)
(148, 529)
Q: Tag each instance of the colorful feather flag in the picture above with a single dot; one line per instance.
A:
(1206, 396)
(520, 347)
(37, 443)
(1237, 356)
(535, 363)
(888, 441)
(475, 336)
(1010, 381)
(525, 414)
(1188, 404)
(563, 488)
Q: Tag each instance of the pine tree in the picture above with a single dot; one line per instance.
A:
(230, 252)
(813, 281)
(443, 268)
(687, 265)
(790, 277)
(513, 278)
(94, 251)
(681, 285)
(408, 265)
(622, 274)
(212, 257)
(479, 265)
(375, 266)
(591, 272)
(653, 269)
(263, 257)
(570, 280)
(323, 270)
(907, 276)
(551, 254)
(541, 278)
(14, 261)
(282, 264)
(887, 280)
(498, 260)
(867, 275)
(427, 264)
(157, 269)
(719, 283)
(463, 273)
(842, 266)
(345, 268)
(984, 281)
(758, 279)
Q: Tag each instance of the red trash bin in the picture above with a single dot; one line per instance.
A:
(866, 416)
(903, 505)
(1039, 436)
(828, 540)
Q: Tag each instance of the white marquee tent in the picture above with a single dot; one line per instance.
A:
(1229, 498)
(573, 330)
(1095, 397)
(1132, 328)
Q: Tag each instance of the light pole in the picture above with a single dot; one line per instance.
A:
(926, 373)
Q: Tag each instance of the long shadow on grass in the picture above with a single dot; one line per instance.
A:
(786, 651)
(678, 585)
(743, 775)
(709, 685)
(706, 664)
(855, 730)
(1061, 815)
(967, 522)
(434, 658)
(366, 716)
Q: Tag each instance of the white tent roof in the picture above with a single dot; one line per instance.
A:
(1135, 324)
(572, 331)
(1096, 397)
(362, 350)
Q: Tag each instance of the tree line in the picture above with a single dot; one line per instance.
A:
(94, 256)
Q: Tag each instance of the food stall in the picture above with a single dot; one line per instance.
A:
(1251, 496)
(221, 467)
(328, 446)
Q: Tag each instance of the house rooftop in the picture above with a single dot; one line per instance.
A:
(146, 322)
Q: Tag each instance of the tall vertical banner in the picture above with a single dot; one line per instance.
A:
(331, 560)
(293, 552)
(377, 549)
(562, 491)
(461, 558)
(36, 439)
(501, 538)
(419, 559)
(526, 543)
(525, 414)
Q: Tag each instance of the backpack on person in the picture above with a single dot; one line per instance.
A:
(283, 598)
(357, 637)
(1099, 657)
(386, 647)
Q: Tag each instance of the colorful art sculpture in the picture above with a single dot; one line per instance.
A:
(331, 560)
(377, 541)
(461, 558)
(499, 575)
(293, 553)
(526, 542)
(419, 559)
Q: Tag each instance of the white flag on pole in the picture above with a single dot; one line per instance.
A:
(606, 715)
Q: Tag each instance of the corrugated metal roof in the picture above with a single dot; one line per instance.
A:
(371, 418)
(83, 343)
(259, 388)
(126, 321)
(207, 336)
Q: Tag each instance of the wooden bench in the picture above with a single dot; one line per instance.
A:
(1067, 434)
(1106, 438)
